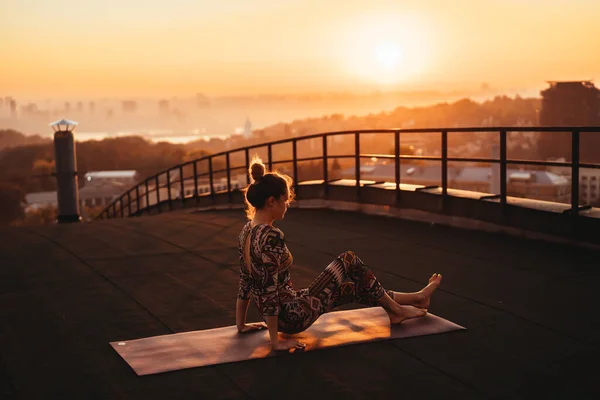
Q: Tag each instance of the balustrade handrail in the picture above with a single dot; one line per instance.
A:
(574, 164)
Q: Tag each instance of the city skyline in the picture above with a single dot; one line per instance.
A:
(68, 49)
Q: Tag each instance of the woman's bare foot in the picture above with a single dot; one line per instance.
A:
(398, 313)
(433, 278)
(420, 299)
(424, 295)
(427, 291)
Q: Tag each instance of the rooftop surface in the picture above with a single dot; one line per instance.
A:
(66, 291)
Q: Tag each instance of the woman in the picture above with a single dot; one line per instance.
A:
(265, 263)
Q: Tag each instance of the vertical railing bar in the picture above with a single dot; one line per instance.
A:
(137, 199)
(157, 194)
(129, 203)
(169, 188)
(503, 171)
(121, 212)
(147, 184)
(397, 164)
(247, 153)
(325, 174)
(195, 172)
(227, 165)
(210, 178)
(444, 170)
(181, 186)
(295, 163)
(114, 207)
(357, 163)
(575, 174)
(270, 155)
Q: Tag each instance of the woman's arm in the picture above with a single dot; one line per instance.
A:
(241, 309)
(272, 322)
(276, 343)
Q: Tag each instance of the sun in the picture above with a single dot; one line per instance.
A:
(386, 50)
(388, 55)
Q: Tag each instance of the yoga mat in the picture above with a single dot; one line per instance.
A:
(176, 351)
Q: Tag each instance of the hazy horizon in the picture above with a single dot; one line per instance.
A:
(422, 97)
(143, 49)
(184, 119)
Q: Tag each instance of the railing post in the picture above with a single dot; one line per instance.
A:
(575, 174)
(444, 169)
(169, 188)
(270, 155)
(295, 163)
(114, 209)
(210, 179)
(181, 186)
(357, 164)
(121, 212)
(147, 195)
(502, 170)
(397, 164)
(195, 166)
(227, 165)
(157, 194)
(325, 174)
(247, 153)
(129, 203)
(137, 199)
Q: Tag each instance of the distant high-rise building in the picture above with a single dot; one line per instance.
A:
(13, 107)
(79, 107)
(248, 128)
(92, 107)
(575, 103)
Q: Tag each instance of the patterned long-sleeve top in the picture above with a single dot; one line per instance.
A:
(267, 278)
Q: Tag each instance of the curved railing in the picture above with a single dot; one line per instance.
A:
(210, 177)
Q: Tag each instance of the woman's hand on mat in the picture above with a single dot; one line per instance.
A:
(253, 327)
(287, 345)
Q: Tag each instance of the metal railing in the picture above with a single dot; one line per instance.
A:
(147, 194)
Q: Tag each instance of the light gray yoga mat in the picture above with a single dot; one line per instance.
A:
(158, 354)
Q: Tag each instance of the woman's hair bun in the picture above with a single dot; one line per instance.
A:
(257, 171)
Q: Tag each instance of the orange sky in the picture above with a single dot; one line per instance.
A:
(181, 47)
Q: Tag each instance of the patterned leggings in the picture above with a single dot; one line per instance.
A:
(345, 280)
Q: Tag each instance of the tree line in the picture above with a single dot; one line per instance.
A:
(27, 168)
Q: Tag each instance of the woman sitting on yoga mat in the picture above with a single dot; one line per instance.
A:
(265, 263)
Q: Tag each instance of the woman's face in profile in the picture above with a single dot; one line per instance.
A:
(280, 206)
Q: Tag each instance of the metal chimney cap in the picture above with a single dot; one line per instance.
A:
(63, 125)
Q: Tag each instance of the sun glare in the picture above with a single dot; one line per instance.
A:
(387, 49)
(388, 55)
